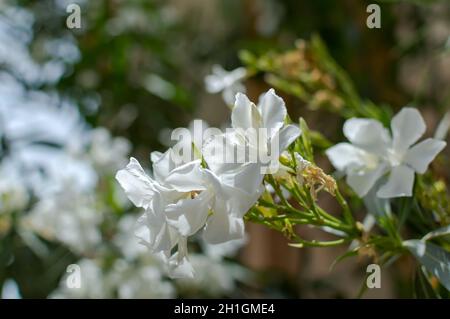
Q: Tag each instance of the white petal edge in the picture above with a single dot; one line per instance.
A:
(273, 111)
(423, 153)
(222, 227)
(136, 183)
(188, 216)
(407, 127)
(245, 114)
(362, 181)
(399, 184)
(344, 156)
(187, 177)
(368, 134)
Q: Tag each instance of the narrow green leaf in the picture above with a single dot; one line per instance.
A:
(435, 259)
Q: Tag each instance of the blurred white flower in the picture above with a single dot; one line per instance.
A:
(373, 153)
(13, 193)
(124, 280)
(106, 152)
(227, 249)
(16, 25)
(10, 290)
(48, 171)
(227, 82)
(70, 218)
(93, 284)
(443, 127)
(126, 240)
(39, 134)
(215, 278)
(269, 16)
(138, 282)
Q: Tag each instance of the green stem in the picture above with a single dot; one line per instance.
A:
(315, 243)
(346, 209)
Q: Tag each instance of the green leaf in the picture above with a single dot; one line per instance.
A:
(435, 259)
(340, 258)
(422, 287)
(305, 142)
(247, 57)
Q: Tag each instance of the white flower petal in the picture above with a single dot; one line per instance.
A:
(245, 114)
(345, 156)
(227, 82)
(246, 177)
(286, 136)
(367, 134)
(236, 75)
(187, 177)
(137, 184)
(273, 111)
(233, 171)
(10, 290)
(189, 215)
(238, 200)
(222, 227)
(155, 156)
(178, 264)
(215, 82)
(362, 181)
(443, 127)
(163, 164)
(158, 236)
(407, 127)
(423, 153)
(180, 268)
(400, 183)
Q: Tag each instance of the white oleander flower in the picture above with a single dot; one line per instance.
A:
(179, 201)
(258, 130)
(154, 195)
(183, 197)
(373, 153)
(219, 207)
(227, 82)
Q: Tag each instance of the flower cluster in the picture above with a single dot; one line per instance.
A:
(57, 189)
(183, 197)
